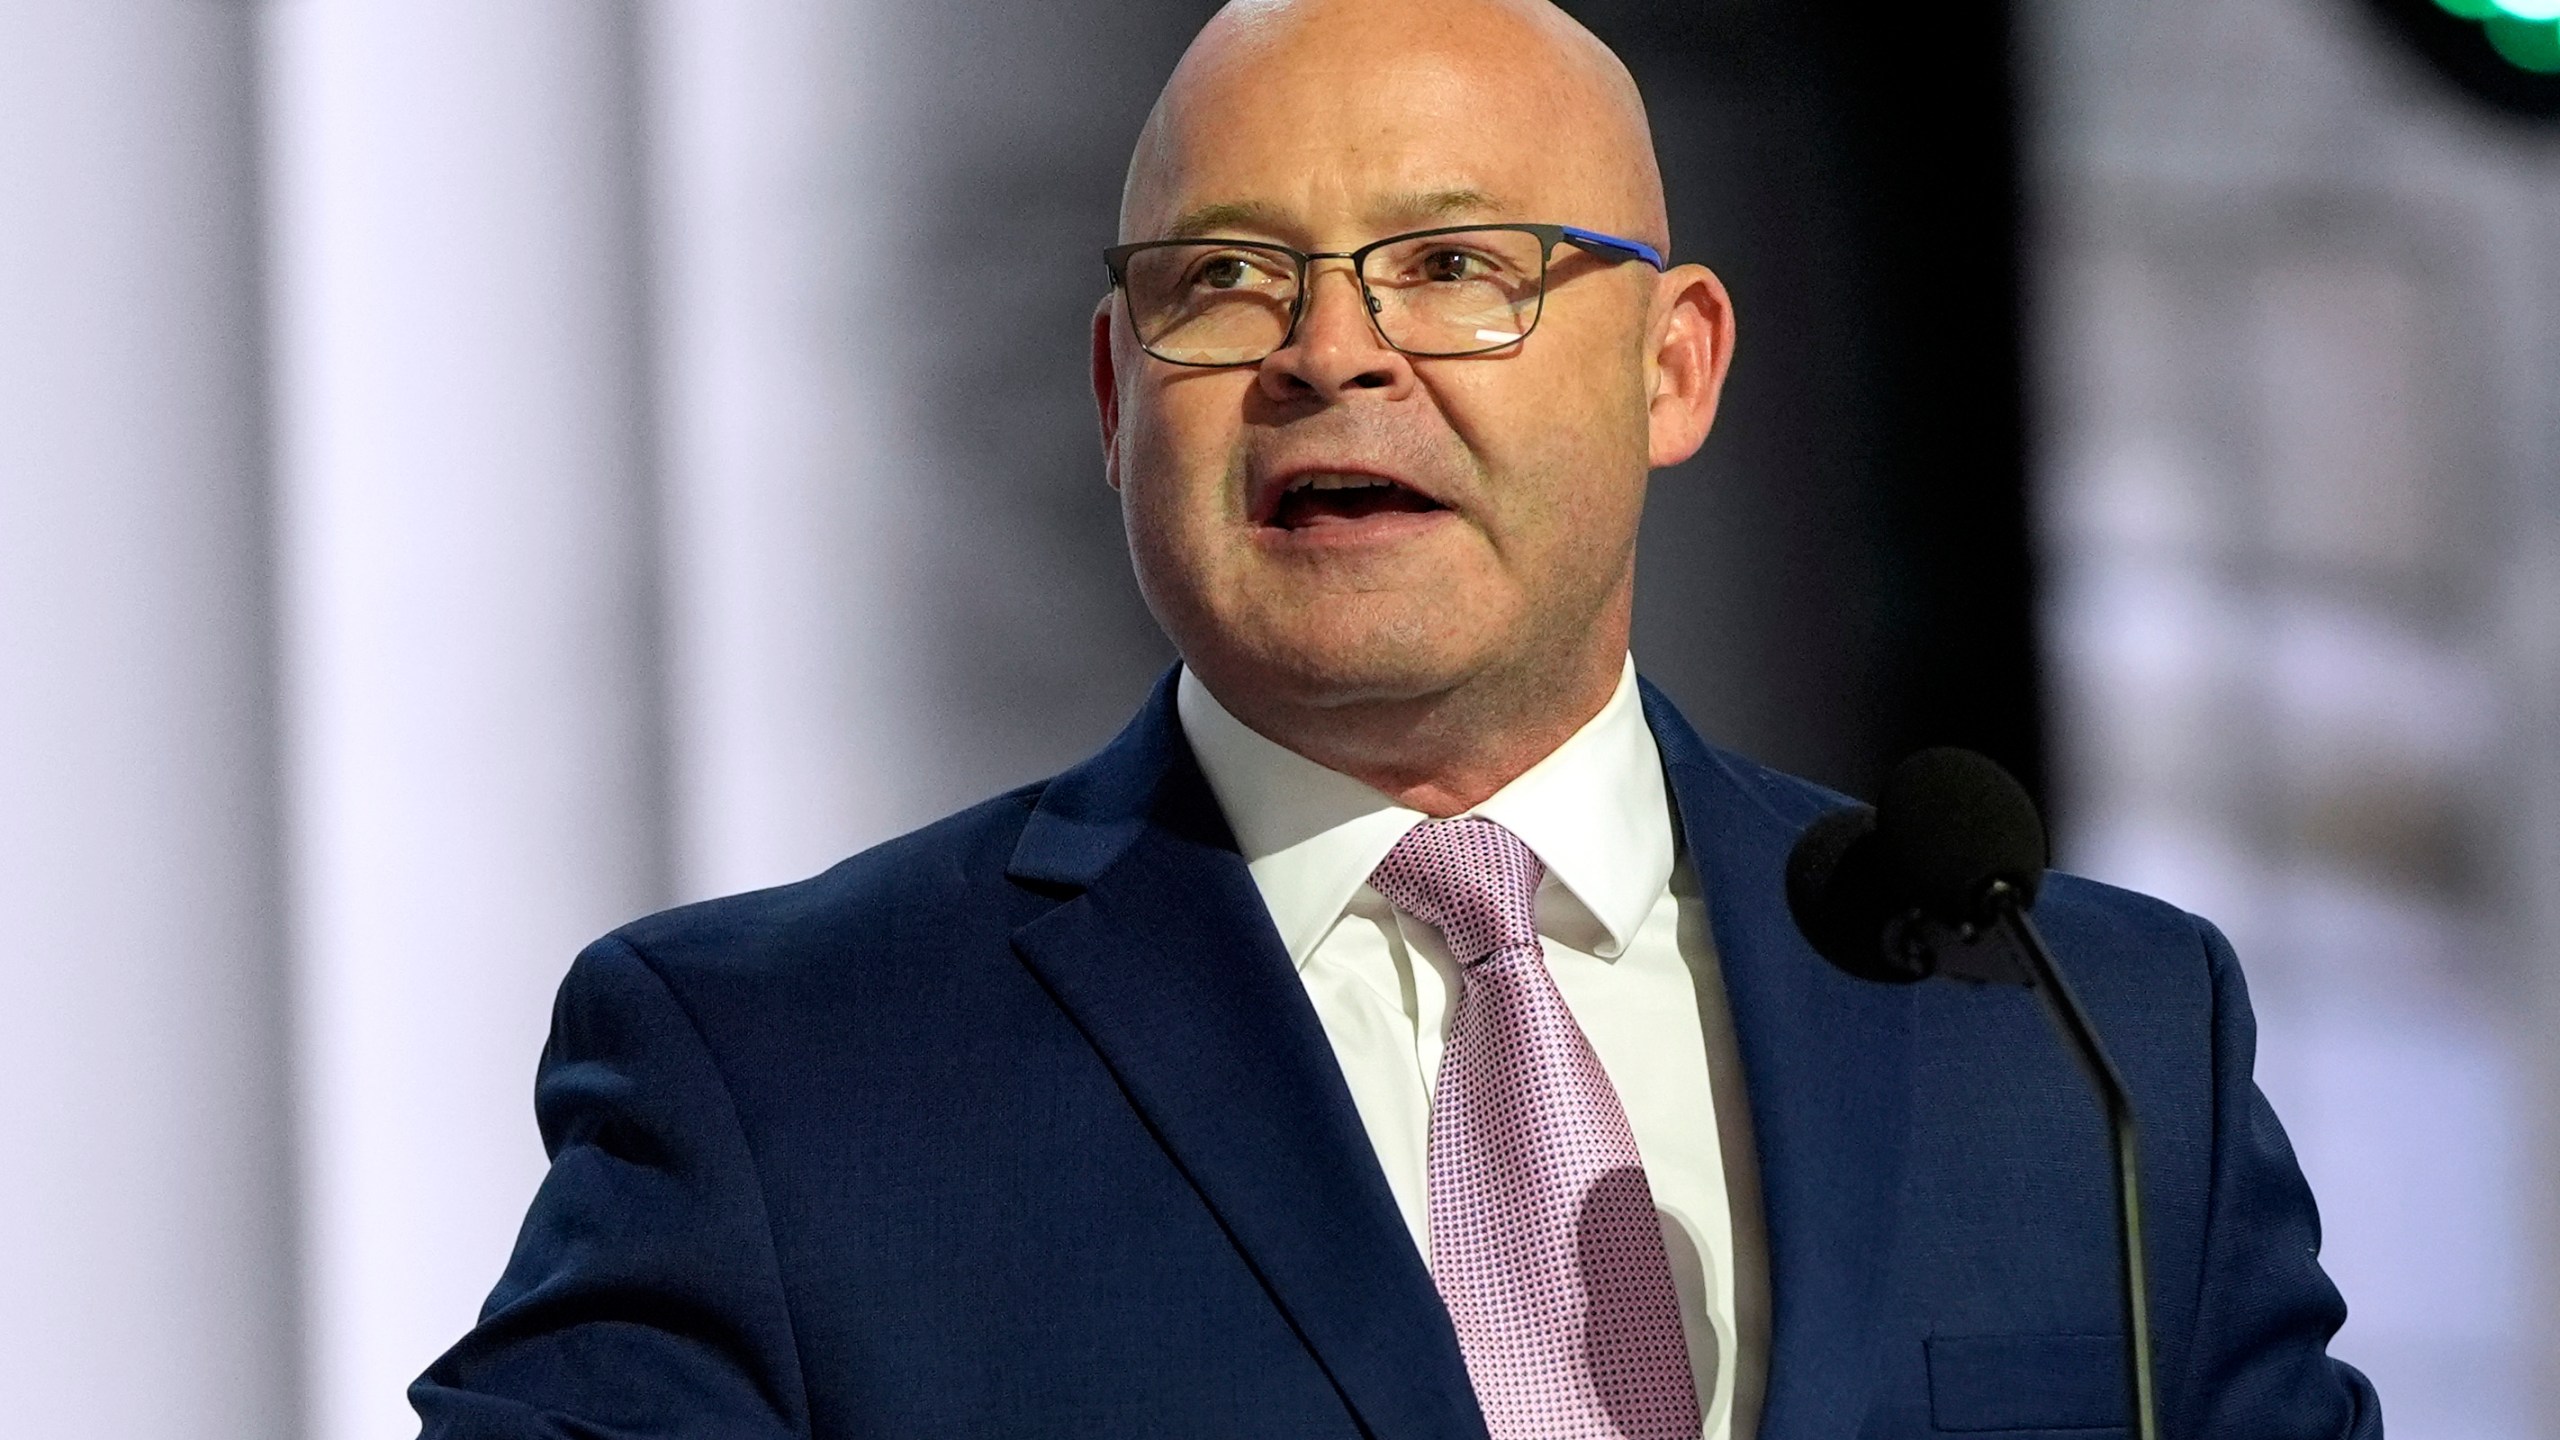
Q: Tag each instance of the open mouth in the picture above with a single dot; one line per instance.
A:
(1319, 499)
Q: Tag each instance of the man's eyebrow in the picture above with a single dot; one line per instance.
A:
(1224, 215)
(1416, 207)
(1420, 207)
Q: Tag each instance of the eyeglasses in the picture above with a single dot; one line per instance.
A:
(1457, 290)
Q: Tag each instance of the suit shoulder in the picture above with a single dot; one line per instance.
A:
(2099, 912)
(2143, 961)
(945, 878)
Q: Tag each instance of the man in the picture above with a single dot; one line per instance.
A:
(1397, 1031)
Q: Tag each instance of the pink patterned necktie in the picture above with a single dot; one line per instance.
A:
(1544, 1241)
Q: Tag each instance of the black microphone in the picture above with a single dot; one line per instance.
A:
(1936, 879)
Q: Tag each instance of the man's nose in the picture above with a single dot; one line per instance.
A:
(1336, 351)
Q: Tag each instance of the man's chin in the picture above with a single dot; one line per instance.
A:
(1334, 677)
(1339, 648)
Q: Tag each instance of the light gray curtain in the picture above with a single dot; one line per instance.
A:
(146, 1187)
(2300, 364)
(472, 472)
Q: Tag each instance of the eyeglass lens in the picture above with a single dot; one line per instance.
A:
(1222, 303)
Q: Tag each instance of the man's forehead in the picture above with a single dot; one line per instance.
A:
(1340, 120)
(1324, 188)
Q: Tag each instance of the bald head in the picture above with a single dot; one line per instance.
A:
(1480, 106)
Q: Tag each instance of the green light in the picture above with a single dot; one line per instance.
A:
(2525, 33)
(2527, 44)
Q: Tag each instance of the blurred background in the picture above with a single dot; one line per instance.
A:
(472, 471)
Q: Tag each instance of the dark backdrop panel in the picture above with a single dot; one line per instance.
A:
(1843, 575)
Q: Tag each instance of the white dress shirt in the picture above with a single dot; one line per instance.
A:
(1626, 938)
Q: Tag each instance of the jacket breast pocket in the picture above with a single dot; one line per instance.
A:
(1989, 1384)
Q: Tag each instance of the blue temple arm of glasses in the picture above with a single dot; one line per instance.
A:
(1594, 240)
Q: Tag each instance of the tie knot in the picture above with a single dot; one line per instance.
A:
(1471, 880)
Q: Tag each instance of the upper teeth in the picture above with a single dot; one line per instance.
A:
(1335, 482)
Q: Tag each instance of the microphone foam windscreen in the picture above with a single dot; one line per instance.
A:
(1813, 867)
(1949, 823)
(1836, 892)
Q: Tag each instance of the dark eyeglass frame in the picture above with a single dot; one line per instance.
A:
(1616, 249)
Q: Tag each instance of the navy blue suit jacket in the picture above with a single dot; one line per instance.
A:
(1022, 1125)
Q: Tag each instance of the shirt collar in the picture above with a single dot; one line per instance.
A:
(1595, 810)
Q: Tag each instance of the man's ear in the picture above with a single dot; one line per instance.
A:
(1690, 349)
(1106, 392)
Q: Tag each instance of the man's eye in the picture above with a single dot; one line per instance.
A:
(1226, 272)
(1447, 265)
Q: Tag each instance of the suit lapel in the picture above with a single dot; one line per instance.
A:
(1827, 1064)
(1163, 955)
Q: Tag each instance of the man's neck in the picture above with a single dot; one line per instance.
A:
(1444, 753)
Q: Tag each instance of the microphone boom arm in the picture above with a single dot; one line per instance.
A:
(2009, 916)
